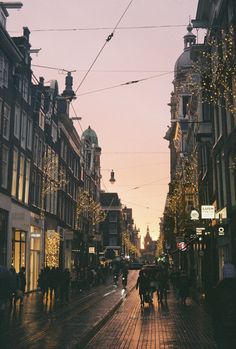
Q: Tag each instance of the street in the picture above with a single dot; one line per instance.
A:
(106, 317)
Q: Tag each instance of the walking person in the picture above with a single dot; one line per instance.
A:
(20, 285)
(143, 285)
(223, 309)
(183, 287)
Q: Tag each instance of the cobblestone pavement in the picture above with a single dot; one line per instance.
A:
(45, 325)
(174, 326)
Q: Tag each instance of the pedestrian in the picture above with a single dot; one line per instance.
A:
(20, 285)
(223, 309)
(163, 284)
(183, 287)
(143, 285)
(14, 285)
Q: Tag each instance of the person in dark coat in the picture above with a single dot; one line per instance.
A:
(223, 309)
(142, 284)
(20, 285)
(183, 287)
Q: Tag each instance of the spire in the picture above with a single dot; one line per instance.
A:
(189, 38)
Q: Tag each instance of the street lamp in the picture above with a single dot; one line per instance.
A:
(112, 179)
(11, 5)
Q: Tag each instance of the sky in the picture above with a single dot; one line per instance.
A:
(130, 120)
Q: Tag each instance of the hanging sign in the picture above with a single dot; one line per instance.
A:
(208, 211)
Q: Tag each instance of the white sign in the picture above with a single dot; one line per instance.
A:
(208, 211)
(194, 215)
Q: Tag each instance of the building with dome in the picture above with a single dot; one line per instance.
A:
(202, 149)
(90, 163)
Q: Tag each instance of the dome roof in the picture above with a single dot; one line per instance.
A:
(183, 62)
(90, 136)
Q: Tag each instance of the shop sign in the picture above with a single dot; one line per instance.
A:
(194, 215)
(199, 231)
(91, 249)
(221, 231)
(182, 246)
(208, 211)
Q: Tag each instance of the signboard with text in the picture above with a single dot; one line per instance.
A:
(208, 211)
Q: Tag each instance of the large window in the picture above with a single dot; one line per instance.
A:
(21, 178)
(29, 134)
(17, 121)
(23, 129)
(18, 249)
(4, 68)
(4, 167)
(14, 172)
(27, 179)
(6, 121)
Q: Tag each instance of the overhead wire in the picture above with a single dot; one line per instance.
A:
(108, 39)
(109, 28)
(62, 70)
(123, 84)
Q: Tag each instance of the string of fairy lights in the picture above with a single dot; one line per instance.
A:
(212, 77)
(212, 80)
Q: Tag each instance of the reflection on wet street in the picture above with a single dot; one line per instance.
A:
(159, 326)
(105, 317)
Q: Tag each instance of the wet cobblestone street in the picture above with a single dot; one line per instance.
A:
(106, 317)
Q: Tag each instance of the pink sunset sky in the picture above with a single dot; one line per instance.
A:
(131, 120)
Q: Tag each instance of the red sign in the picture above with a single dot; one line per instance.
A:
(182, 246)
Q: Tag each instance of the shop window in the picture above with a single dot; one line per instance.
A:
(18, 249)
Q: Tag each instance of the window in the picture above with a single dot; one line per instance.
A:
(113, 241)
(14, 172)
(21, 177)
(4, 68)
(25, 88)
(112, 228)
(27, 178)
(6, 121)
(23, 129)
(112, 217)
(29, 134)
(17, 121)
(41, 119)
(54, 131)
(18, 249)
(4, 170)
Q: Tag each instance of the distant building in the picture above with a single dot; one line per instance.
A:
(111, 227)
